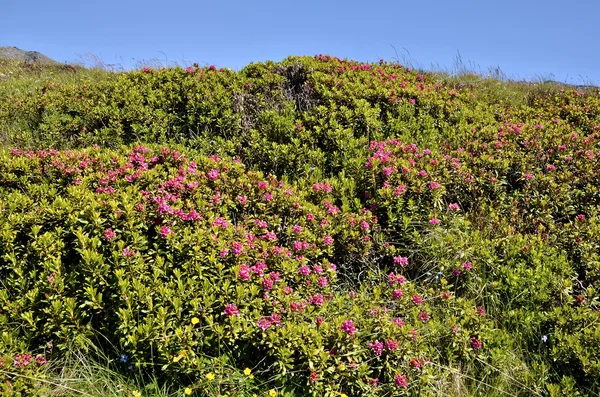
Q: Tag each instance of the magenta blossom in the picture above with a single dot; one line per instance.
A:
(264, 323)
(213, 174)
(109, 234)
(165, 231)
(453, 206)
(348, 327)
(401, 380)
(400, 260)
(377, 347)
(231, 310)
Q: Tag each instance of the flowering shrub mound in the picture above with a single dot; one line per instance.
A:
(174, 261)
(516, 220)
(334, 227)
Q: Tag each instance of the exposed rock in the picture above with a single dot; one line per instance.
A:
(17, 54)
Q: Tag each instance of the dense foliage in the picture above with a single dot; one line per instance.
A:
(333, 227)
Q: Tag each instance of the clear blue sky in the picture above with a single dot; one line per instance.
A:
(526, 38)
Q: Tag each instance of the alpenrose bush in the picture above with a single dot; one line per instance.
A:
(175, 262)
(19, 372)
(516, 219)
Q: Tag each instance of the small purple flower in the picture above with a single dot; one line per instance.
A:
(348, 327)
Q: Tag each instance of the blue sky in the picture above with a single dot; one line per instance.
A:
(527, 39)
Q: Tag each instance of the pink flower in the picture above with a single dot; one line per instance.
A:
(165, 231)
(377, 347)
(415, 363)
(259, 268)
(391, 344)
(313, 376)
(244, 273)
(476, 343)
(287, 290)
(238, 248)
(581, 217)
(399, 322)
(397, 294)
(270, 236)
(231, 310)
(300, 245)
(396, 279)
(304, 270)
(264, 323)
(400, 260)
(480, 311)
(128, 252)
(213, 174)
(453, 206)
(434, 185)
(528, 176)
(323, 282)
(267, 284)
(550, 167)
(401, 380)
(434, 221)
(316, 300)
(261, 224)
(467, 266)
(348, 327)
(423, 316)
(399, 190)
(40, 359)
(242, 199)
(364, 225)
(297, 229)
(297, 306)
(417, 300)
(109, 234)
(327, 240)
(220, 222)
(22, 360)
(268, 196)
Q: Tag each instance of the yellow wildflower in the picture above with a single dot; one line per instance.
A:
(195, 320)
(136, 393)
(272, 392)
(210, 376)
(187, 391)
(247, 371)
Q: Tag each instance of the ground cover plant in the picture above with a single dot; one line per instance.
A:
(315, 226)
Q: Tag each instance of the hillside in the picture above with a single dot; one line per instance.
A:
(314, 226)
(16, 54)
